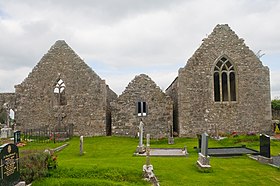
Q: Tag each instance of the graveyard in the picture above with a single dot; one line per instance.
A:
(112, 161)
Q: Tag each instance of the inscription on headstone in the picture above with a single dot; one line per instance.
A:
(9, 165)
(265, 146)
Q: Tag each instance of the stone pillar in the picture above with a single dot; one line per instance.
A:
(148, 150)
(81, 145)
(141, 148)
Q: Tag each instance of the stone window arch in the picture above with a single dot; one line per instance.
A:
(224, 79)
(59, 92)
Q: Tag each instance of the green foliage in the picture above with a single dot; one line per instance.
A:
(277, 131)
(275, 104)
(33, 166)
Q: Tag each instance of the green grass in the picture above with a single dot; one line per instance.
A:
(110, 161)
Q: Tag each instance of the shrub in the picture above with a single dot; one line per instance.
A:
(35, 165)
(275, 104)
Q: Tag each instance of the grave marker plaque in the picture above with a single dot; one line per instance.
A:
(265, 146)
(9, 165)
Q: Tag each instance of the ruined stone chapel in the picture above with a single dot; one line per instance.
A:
(223, 87)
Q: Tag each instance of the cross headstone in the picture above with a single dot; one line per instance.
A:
(204, 144)
(81, 145)
(140, 148)
(141, 126)
(265, 146)
(9, 165)
(148, 150)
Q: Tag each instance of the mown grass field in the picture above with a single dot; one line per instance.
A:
(110, 161)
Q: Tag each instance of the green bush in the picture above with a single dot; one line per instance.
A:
(35, 165)
(275, 104)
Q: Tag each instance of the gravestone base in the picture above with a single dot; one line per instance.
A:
(203, 161)
(149, 175)
(265, 160)
(22, 183)
(170, 140)
(141, 149)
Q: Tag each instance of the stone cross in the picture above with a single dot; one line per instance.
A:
(204, 144)
(141, 133)
(81, 145)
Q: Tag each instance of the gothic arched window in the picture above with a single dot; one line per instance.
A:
(224, 81)
(59, 91)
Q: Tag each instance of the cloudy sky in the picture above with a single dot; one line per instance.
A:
(123, 38)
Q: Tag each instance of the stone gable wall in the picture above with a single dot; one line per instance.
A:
(125, 121)
(9, 98)
(197, 111)
(86, 94)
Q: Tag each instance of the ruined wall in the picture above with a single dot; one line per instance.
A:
(172, 91)
(275, 114)
(198, 111)
(9, 98)
(85, 101)
(158, 121)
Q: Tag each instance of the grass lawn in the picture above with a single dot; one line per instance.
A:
(110, 161)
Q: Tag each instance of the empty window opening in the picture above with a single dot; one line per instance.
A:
(224, 81)
(59, 91)
(141, 108)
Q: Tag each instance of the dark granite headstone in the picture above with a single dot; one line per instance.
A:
(9, 165)
(204, 144)
(16, 137)
(199, 142)
(265, 146)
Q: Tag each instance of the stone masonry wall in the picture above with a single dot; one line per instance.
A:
(85, 92)
(198, 112)
(9, 98)
(158, 121)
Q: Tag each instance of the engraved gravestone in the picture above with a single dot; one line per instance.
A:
(265, 146)
(9, 165)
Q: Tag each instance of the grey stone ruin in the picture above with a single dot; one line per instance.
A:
(141, 147)
(265, 156)
(148, 169)
(9, 165)
(81, 145)
(203, 158)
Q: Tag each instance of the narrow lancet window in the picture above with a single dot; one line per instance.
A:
(224, 81)
(141, 108)
(59, 92)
